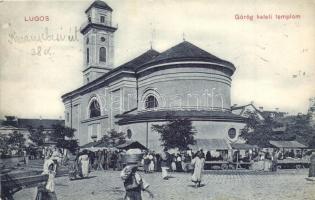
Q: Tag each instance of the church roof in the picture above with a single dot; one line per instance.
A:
(140, 60)
(186, 51)
(99, 4)
(130, 66)
(165, 115)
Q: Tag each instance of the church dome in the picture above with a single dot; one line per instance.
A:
(185, 51)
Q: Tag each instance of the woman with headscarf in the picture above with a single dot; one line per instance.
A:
(47, 192)
(84, 161)
(198, 163)
(151, 164)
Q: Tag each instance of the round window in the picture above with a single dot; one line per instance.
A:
(102, 39)
(232, 133)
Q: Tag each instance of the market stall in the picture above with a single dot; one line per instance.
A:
(242, 155)
(291, 154)
(216, 152)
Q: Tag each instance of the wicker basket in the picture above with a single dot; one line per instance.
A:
(132, 158)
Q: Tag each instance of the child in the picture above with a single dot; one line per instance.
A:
(133, 183)
(48, 192)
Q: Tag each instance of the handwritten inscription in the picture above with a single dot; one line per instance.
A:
(44, 39)
(45, 36)
(39, 51)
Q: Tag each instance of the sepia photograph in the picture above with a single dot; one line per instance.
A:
(157, 99)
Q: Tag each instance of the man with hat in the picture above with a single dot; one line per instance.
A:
(133, 182)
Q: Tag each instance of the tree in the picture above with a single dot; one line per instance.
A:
(259, 132)
(114, 137)
(4, 144)
(10, 121)
(64, 136)
(299, 128)
(37, 135)
(177, 133)
(296, 127)
(16, 140)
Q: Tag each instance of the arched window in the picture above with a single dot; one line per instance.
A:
(102, 54)
(151, 102)
(87, 55)
(95, 109)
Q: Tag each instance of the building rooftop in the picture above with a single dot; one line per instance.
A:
(35, 123)
(99, 4)
(140, 60)
(130, 66)
(186, 51)
(182, 52)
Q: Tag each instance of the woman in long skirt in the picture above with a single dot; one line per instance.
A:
(198, 163)
(173, 164)
(179, 166)
(47, 192)
(151, 165)
(72, 167)
(84, 160)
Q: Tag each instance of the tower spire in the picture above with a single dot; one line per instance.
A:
(98, 43)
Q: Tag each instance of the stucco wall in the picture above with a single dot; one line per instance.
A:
(195, 87)
(116, 98)
(205, 130)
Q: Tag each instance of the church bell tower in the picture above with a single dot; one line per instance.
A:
(98, 38)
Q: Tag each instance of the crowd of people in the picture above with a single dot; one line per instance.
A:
(134, 184)
(152, 161)
(82, 162)
(105, 159)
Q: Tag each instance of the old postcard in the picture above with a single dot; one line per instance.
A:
(157, 99)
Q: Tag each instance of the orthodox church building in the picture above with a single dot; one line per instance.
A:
(181, 82)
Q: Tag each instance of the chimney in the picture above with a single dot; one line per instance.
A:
(261, 108)
(277, 109)
(252, 102)
(234, 105)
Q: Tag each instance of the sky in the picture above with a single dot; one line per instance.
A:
(274, 58)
